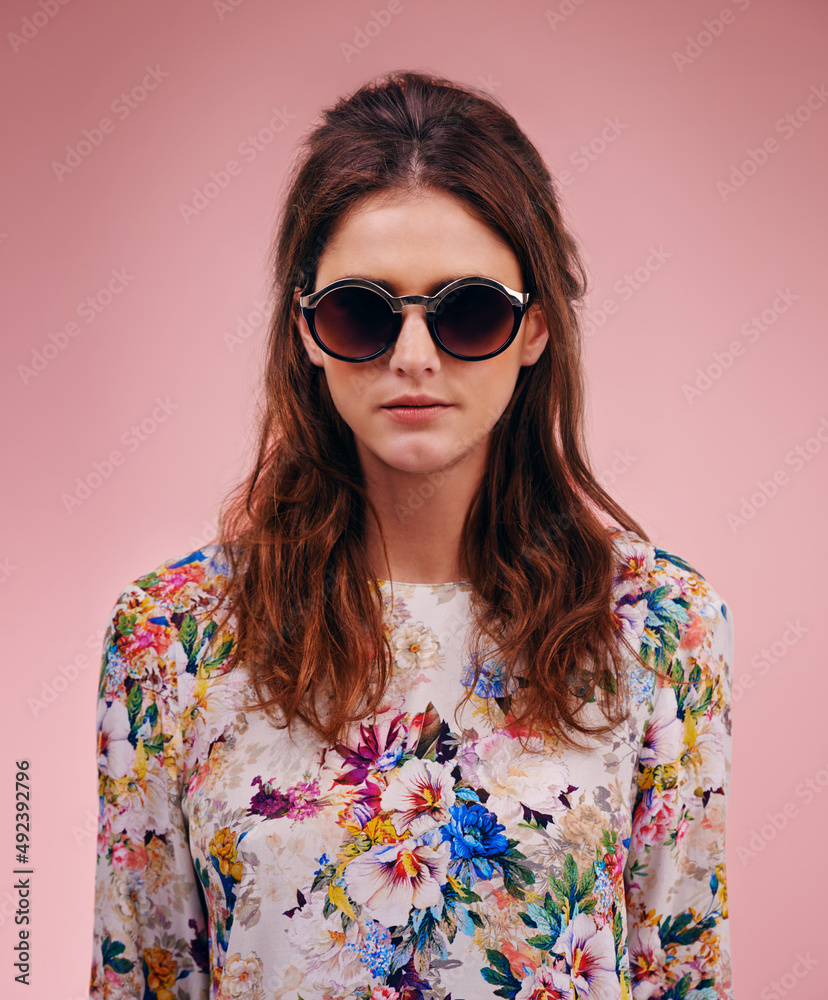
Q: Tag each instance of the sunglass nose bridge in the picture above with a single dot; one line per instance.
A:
(413, 300)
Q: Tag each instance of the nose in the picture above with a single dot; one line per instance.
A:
(414, 347)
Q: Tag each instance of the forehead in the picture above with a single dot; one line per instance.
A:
(422, 235)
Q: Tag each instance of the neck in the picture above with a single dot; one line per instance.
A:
(422, 517)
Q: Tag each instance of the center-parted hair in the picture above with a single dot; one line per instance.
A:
(308, 614)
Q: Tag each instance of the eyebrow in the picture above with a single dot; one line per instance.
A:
(432, 288)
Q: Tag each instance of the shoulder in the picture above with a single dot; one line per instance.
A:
(162, 617)
(664, 606)
(188, 581)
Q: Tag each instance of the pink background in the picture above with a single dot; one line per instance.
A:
(681, 466)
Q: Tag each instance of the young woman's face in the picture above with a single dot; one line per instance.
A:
(417, 243)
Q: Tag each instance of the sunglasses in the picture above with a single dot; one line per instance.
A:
(471, 318)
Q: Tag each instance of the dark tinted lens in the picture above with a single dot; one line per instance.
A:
(353, 322)
(475, 320)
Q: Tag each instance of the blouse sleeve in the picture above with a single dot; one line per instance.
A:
(150, 938)
(675, 870)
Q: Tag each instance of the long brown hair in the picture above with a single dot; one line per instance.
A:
(309, 615)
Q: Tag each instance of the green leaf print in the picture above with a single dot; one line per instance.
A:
(570, 873)
(681, 932)
(618, 936)
(154, 746)
(125, 622)
(663, 554)
(587, 883)
(150, 580)
(220, 656)
(500, 975)
(110, 950)
(543, 942)
(187, 634)
(679, 990)
(203, 874)
(575, 897)
(133, 704)
(548, 919)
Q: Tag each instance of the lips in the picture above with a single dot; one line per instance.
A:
(412, 402)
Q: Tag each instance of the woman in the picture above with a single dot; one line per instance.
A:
(423, 722)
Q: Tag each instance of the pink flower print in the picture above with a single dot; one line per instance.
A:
(304, 800)
(129, 856)
(654, 817)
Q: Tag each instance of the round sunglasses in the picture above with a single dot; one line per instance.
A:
(472, 319)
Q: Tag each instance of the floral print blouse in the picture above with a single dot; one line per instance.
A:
(424, 857)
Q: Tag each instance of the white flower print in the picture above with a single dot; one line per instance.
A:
(391, 878)
(422, 792)
(115, 752)
(515, 779)
(662, 741)
(414, 646)
(590, 956)
(132, 897)
(632, 618)
(322, 945)
(545, 984)
(241, 978)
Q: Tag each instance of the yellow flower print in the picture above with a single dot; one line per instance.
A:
(160, 972)
(721, 892)
(381, 831)
(223, 848)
